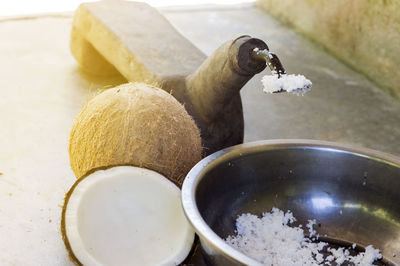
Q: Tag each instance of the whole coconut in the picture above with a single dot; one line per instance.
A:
(135, 124)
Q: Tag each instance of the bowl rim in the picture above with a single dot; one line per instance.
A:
(197, 172)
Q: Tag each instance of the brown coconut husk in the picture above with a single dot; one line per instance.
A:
(135, 124)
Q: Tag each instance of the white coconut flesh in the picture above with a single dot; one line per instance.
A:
(127, 215)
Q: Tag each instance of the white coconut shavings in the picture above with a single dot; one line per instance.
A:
(297, 84)
(272, 241)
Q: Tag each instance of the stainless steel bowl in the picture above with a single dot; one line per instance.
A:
(353, 193)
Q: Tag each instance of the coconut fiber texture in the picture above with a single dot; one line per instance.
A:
(135, 124)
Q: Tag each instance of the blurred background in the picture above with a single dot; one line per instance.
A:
(362, 34)
(26, 7)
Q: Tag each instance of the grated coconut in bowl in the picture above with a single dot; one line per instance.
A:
(272, 241)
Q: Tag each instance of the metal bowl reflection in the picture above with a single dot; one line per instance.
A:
(353, 193)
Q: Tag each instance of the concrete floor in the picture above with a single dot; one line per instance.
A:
(343, 106)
